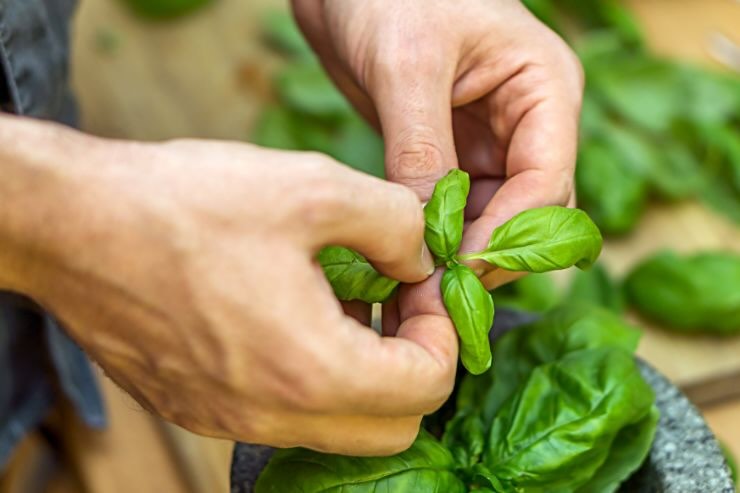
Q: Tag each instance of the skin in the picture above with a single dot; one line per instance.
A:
(186, 269)
(479, 85)
(175, 269)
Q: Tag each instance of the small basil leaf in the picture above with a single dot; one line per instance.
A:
(306, 88)
(425, 467)
(353, 278)
(278, 128)
(357, 145)
(556, 431)
(693, 293)
(544, 239)
(464, 436)
(444, 214)
(471, 308)
(595, 287)
(532, 293)
(612, 193)
(282, 33)
(731, 462)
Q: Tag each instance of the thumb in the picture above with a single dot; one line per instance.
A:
(415, 111)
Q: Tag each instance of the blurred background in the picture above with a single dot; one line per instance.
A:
(659, 168)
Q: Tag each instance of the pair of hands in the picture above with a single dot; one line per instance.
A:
(193, 281)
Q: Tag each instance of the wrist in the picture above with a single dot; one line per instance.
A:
(43, 168)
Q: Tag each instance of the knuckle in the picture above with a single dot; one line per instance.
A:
(319, 196)
(416, 158)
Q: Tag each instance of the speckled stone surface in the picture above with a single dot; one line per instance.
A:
(685, 457)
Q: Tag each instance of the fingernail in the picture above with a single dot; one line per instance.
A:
(427, 261)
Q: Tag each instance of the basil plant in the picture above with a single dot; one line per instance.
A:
(537, 240)
(564, 410)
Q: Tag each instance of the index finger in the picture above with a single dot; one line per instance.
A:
(540, 164)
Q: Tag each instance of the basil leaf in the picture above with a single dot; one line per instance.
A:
(532, 293)
(165, 9)
(425, 467)
(544, 239)
(444, 214)
(613, 195)
(282, 33)
(556, 431)
(277, 127)
(471, 309)
(628, 451)
(731, 462)
(692, 293)
(359, 146)
(306, 88)
(464, 436)
(353, 278)
(595, 287)
(560, 332)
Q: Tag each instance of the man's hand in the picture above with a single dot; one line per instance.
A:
(478, 84)
(187, 271)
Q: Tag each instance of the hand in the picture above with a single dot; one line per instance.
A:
(478, 84)
(187, 271)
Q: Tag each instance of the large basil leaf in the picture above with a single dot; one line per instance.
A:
(699, 292)
(558, 333)
(444, 214)
(353, 278)
(426, 467)
(471, 308)
(556, 431)
(595, 287)
(544, 239)
(628, 451)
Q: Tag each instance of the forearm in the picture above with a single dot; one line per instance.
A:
(40, 194)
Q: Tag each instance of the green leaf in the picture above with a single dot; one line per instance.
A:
(693, 293)
(353, 278)
(471, 309)
(444, 214)
(426, 467)
(464, 436)
(556, 431)
(544, 239)
(532, 293)
(558, 333)
(359, 146)
(306, 88)
(645, 91)
(595, 287)
(277, 127)
(165, 9)
(731, 462)
(613, 194)
(282, 33)
(628, 451)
